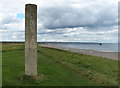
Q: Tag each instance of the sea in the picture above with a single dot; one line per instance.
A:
(102, 47)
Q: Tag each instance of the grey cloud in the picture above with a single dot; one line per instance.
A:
(10, 19)
(56, 32)
(99, 34)
(69, 17)
(7, 21)
(8, 35)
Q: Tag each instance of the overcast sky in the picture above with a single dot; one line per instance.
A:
(62, 20)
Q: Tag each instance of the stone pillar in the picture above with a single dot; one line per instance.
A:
(31, 39)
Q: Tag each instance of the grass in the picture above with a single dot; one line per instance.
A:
(58, 68)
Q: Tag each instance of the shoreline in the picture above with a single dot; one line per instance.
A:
(109, 55)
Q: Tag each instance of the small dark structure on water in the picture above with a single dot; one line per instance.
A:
(100, 44)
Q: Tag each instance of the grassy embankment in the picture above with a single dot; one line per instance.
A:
(58, 68)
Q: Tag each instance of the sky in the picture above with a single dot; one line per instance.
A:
(62, 20)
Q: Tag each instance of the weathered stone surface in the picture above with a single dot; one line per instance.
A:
(31, 39)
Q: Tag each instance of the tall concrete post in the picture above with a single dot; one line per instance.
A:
(31, 39)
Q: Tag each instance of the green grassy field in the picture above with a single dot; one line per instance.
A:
(58, 68)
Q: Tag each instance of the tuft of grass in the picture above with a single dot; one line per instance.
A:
(25, 77)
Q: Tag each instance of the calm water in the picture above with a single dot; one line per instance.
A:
(105, 47)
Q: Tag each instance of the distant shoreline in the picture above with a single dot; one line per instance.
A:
(109, 55)
(57, 42)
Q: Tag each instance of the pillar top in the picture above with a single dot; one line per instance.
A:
(31, 4)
